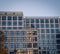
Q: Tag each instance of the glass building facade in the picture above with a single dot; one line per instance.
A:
(30, 35)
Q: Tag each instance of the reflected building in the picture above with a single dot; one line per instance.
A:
(30, 35)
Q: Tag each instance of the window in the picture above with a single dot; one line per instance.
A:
(42, 30)
(42, 36)
(51, 20)
(53, 36)
(3, 23)
(37, 20)
(17, 45)
(9, 28)
(42, 25)
(52, 31)
(18, 39)
(57, 30)
(14, 17)
(9, 18)
(9, 23)
(3, 17)
(12, 33)
(27, 20)
(29, 45)
(56, 20)
(11, 45)
(47, 25)
(56, 25)
(32, 20)
(51, 25)
(19, 17)
(23, 33)
(12, 39)
(3, 28)
(34, 32)
(42, 20)
(20, 23)
(47, 30)
(37, 25)
(14, 27)
(35, 45)
(46, 20)
(14, 23)
(19, 27)
(32, 26)
(47, 36)
(17, 33)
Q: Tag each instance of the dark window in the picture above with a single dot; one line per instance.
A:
(14, 23)
(58, 41)
(34, 45)
(29, 45)
(9, 23)
(32, 20)
(3, 17)
(14, 27)
(51, 25)
(47, 30)
(47, 25)
(46, 20)
(42, 30)
(3, 28)
(57, 30)
(32, 26)
(43, 52)
(17, 33)
(47, 36)
(20, 23)
(34, 32)
(37, 25)
(42, 25)
(51, 20)
(52, 31)
(9, 18)
(57, 35)
(19, 18)
(3, 23)
(56, 25)
(58, 46)
(42, 20)
(42, 36)
(19, 27)
(37, 20)
(14, 17)
(11, 45)
(56, 20)
(27, 20)
(9, 28)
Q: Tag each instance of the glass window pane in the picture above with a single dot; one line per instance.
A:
(46, 20)
(14, 23)
(3, 23)
(9, 23)
(47, 25)
(11, 33)
(9, 28)
(9, 18)
(42, 30)
(42, 20)
(35, 45)
(11, 45)
(51, 25)
(42, 25)
(56, 20)
(32, 20)
(19, 18)
(42, 36)
(32, 26)
(20, 23)
(56, 25)
(17, 33)
(3, 17)
(47, 36)
(14, 17)
(51, 20)
(27, 20)
(3, 28)
(37, 25)
(12, 39)
(53, 36)
(37, 20)
(52, 31)
(14, 27)
(47, 30)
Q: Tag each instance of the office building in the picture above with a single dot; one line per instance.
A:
(30, 35)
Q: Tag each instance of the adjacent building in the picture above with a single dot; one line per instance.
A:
(30, 35)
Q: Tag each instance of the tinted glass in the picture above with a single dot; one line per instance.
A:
(14, 23)
(19, 18)
(32, 20)
(14, 17)
(56, 20)
(9, 23)
(42, 20)
(46, 20)
(3, 23)
(9, 18)
(37, 20)
(51, 20)
(20, 23)
(3, 17)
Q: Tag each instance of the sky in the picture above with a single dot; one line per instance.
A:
(32, 7)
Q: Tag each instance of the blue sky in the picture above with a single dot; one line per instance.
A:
(32, 7)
